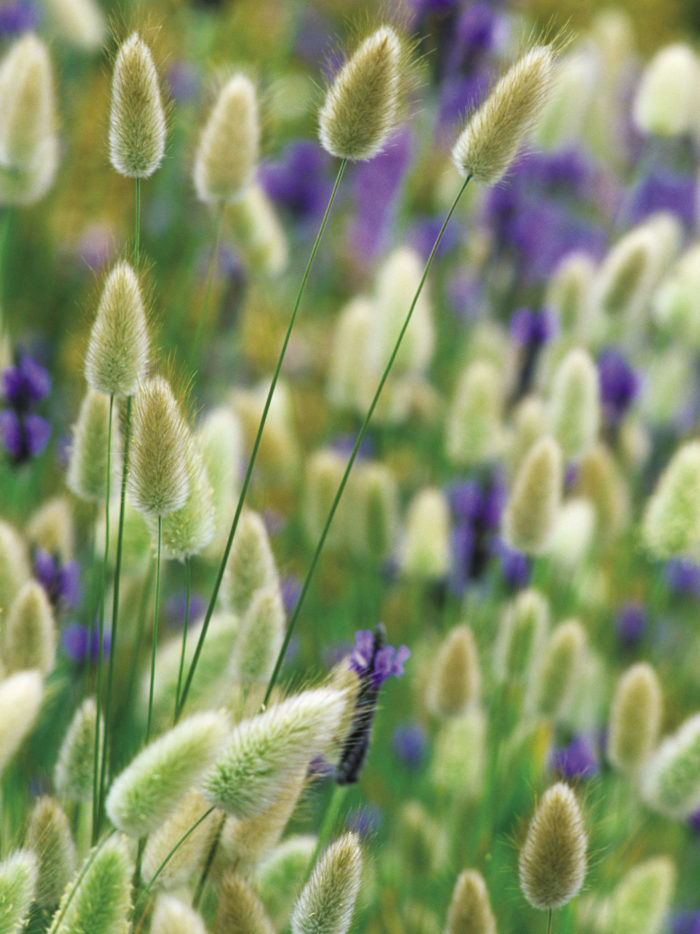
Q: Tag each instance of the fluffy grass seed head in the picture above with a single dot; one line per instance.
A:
(533, 504)
(364, 103)
(456, 677)
(267, 751)
(14, 565)
(495, 132)
(666, 99)
(575, 403)
(158, 477)
(473, 428)
(281, 875)
(452, 772)
(635, 718)
(260, 636)
(79, 22)
(51, 527)
(671, 777)
(322, 476)
(256, 228)
(373, 523)
(671, 524)
(470, 909)
(600, 481)
(240, 909)
(227, 155)
(188, 530)
(190, 856)
(521, 636)
(641, 901)
(49, 838)
(560, 667)
(220, 442)
(87, 467)
(569, 290)
(28, 139)
(100, 901)
(29, 637)
(155, 782)
(572, 534)
(552, 861)
(327, 901)
(676, 303)
(251, 564)
(425, 548)
(118, 350)
(347, 385)
(18, 877)
(74, 769)
(136, 119)
(528, 424)
(172, 916)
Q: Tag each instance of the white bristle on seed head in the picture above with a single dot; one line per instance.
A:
(29, 636)
(73, 776)
(495, 132)
(425, 549)
(363, 104)
(137, 119)
(14, 565)
(20, 699)
(642, 899)
(251, 564)
(87, 467)
(635, 718)
(79, 22)
(575, 403)
(327, 902)
(18, 880)
(187, 860)
(172, 916)
(470, 909)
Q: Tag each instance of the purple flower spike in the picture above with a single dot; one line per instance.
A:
(74, 640)
(577, 760)
(61, 582)
(529, 328)
(410, 745)
(12, 435)
(630, 623)
(25, 384)
(37, 433)
(106, 644)
(361, 655)
(619, 385)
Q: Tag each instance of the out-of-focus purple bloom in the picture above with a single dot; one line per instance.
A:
(410, 745)
(60, 581)
(619, 385)
(662, 190)
(375, 185)
(423, 236)
(465, 293)
(466, 500)
(18, 16)
(630, 623)
(528, 327)
(23, 438)
(299, 182)
(377, 666)
(686, 922)
(694, 822)
(344, 444)
(75, 639)
(176, 607)
(25, 384)
(96, 246)
(183, 80)
(364, 821)
(571, 475)
(683, 577)
(291, 588)
(106, 644)
(579, 759)
(459, 96)
(515, 566)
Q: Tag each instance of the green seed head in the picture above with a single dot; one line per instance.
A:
(327, 901)
(49, 838)
(635, 718)
(534, 501)
(29, 638)
(671, 523)
(87, 468)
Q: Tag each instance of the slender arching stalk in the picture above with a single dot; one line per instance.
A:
(356, 447)
(155, 632)
(188, 583)
(256, 445)
(210, 280)
(549, 921)
(96, 787)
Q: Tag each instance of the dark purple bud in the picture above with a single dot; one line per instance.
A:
(74, 640)
(619, 385)
(12, 435)
(25, 384)
(578, 760)
(410, 745)
(17, 16)
(531, 328)
(683, 577)
(630, 623)
(515, 566)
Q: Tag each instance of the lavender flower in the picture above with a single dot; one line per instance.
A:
(17, 16)
(376, 662)
(619, 385)
(24, 438)
(476, 512)
(579, 760)
(530, 330)
(630, 623)
(25, 384)
(514, 565)
(686, 922)
(77, 643)
(410, 745)
(24, 433)
(60, 581)
(662, 190)
(364, 821)
(299, 182)
(683, 577)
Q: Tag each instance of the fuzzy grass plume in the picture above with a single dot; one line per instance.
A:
(534, 501)
(20, 699)
(18, 876)
(671, 523)
(49, 838)
(671, 780)
(635, 718)
(327, 901)
(470, 910)
(73, 775)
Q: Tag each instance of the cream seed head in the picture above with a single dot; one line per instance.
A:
(529, 424)
(327, 901)
(251, 564)
(29, 636)
(227, 156)
(552, 862)
(118, 350)
(456, 677)
(281, 875)
(521, 636)
(28, 139)
(260, 637)
(158, 479)
(364, 103)
(74, 769)
(600, 481)
(156, 781)
(560, 667)
(635, 718)
(172, 916)
(14, 564)
(533, 503)
(87, 468)
(136, 118)
(425, 549)
(572, 534)
(373, 524)
(470, 910)
(671, 778)
(240, 909)
(666, 99)
(188, 859)
(473, 428)
(641, 901)
(569, 290)
(20, 699)
(671, 524)
(575, 403)
(495, 132)
(79, 22)
(51, 527)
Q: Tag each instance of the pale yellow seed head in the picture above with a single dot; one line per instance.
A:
(425, 549)
(635, 718)
(51, 527)
(560, 667)
(534, 501)
(364, 103)
(158, 481)
(327, 902)
(49, 838)
(29, 636)
(172, 916)
(227, 156)
(666, 99)
(20, 699)
(473, 427)
(495, 132)
(470, 910)
(137, 119)
(188, 859)
(600, 481)
(456, 676)
(240, 910)
(672, 518)
(552, 861)
(118, 350)
(575, 403)
(79, 22)
(87, 468)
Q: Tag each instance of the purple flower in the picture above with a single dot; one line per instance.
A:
(686, 922)
(23, 438)
(683, 577)
(630, 623)
(96, 245)
(579, 759)
(410, 744)
(377, 665)
(299, 182)
(515, 566)
(619, 385)
(18, 16)
(529, 327)
(694, 822)
(424, 235)
(365, 820)
(183, 80)
(662, 190)
(60, 581)
(25, 384)
(75, 639)
(291, 589)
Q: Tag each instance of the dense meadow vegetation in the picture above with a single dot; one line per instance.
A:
(349, 470)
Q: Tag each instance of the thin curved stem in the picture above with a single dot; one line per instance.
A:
(137, 225)
(356, 447)
(96, 787)
(209, 863)
(256, 445)
(155, 633)
(210, 281)
(549, 922)
(188, 583)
